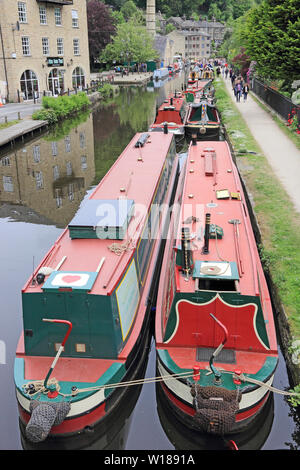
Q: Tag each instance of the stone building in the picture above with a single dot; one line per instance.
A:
(43, 48)
(215, 30)
(191, 45)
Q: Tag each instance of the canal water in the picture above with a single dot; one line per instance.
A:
(42, 184)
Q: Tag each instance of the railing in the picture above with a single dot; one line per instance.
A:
(278, 102)
(93, 87)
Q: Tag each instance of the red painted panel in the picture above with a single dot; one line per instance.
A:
(196, 326)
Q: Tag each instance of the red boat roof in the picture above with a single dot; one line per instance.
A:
(212, 186)
(133, 180)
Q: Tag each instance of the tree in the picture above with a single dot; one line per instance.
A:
(272, 35)
(132, 43)
(242, 61)
(101, 27)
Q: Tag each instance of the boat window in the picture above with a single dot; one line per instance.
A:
(218, 285)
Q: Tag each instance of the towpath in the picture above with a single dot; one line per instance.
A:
(281, 152)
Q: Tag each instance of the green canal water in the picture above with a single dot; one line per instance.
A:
(42, 185)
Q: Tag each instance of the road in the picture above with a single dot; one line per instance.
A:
(11, 110)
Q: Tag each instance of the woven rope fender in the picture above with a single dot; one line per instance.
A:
(216, 408)
(43, 417)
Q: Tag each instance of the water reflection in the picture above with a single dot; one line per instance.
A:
(44, 181)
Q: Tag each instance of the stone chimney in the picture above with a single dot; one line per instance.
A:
(150, 17)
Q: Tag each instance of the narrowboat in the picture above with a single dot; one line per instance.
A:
(160, 74)
(87, 306)
(202, 119)
(215, 334)
(200, 89)
(170, 115)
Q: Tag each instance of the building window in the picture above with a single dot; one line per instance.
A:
(57, 15)
(22, 12)
(45, 45)
(29, 85)
(82, 139)
(71, 192)
(8, 184)
(78, 78)
(39, 179)
(75, 19)
(25, 45)
(43, 15)
(60, 46)
(69, 168)
(5, 161)
(36, 153)
(54, 148)
(68, 143)
(76, 46)
(55, 172)
(58, 197)
(83, 162)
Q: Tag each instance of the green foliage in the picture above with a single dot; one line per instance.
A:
(295, 399)
(4, 125)
(132, 43)
(272, 38)
(58, 108)
(45, 115)
(106, 90)
(63, 128)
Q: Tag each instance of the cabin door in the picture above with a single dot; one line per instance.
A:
(72, 307)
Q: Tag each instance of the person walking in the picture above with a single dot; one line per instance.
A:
(238, 90)
(245, 91)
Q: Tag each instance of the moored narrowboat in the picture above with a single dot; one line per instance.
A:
(170, 115)
(202, 119)
(87, 306)
(215, 333)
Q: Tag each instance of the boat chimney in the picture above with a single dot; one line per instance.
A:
(206, 235)
(186, 251)
(165, 128)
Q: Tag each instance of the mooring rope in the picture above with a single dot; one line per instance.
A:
(39, 384)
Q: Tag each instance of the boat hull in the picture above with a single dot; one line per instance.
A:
(207, 132)
(98, 410)
(178, 394)
(89, 389)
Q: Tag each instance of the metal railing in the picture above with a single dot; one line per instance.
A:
(279, 103)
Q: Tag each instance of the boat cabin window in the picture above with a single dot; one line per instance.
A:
(219, 285)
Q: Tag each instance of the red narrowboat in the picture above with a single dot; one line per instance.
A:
(170, 115)
(215, 334)
(87, 306)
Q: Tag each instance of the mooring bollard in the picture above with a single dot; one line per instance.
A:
(19, 116)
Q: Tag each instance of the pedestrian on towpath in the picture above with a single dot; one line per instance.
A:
(245, 91)
(238, 91)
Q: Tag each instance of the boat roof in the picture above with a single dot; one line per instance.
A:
(130, 183)
(212, 186)
(174, 105)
